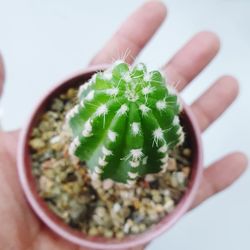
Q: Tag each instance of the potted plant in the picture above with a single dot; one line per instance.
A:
(111, 157)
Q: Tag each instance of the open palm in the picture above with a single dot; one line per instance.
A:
(21, 229)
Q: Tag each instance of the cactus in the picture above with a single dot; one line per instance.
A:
(125, 123)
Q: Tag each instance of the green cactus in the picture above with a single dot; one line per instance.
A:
(125, 123)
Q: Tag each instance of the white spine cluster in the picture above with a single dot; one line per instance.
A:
(134, 164)
(176, 121)
(161, 105)
(74, 145)
(136, 154)
(135, 126)
(158, 136)
(82, 103)
(87, 131)
(147, 77)
(132, 175)
(181, 134)
(147, 90)
(90, 95)
(113, 91)
(74, 111)
(98, 170)
(164, 161)
(163, 149)
(102, 162)
(123, 110)
(106, 151)
(112, 135)
(102, 110)
(84, 87)
(126, 77)
(107, 75)
(144, 109)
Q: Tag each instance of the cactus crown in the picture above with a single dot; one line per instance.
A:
(125, 123)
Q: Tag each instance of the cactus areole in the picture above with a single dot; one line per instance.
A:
(125, 122)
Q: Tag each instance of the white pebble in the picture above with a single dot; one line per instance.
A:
(107, 184)
(150, 177)
(169, 205)
(116, 207)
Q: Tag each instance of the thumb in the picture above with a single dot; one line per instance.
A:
(2, 75)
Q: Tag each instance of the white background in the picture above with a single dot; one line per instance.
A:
(43, 41)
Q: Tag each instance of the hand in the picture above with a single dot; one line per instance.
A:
(21, 229)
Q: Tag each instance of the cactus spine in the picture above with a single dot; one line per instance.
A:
(125, 123)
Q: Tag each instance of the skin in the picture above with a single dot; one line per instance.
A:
(20, 228)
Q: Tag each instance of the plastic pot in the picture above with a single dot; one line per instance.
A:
(56, 224)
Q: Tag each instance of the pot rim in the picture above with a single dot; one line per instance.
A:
(74, 236)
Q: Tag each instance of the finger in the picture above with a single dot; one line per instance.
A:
(192, 59)
(220, 175)
(1, 75)
(133, 34)
(215, 101)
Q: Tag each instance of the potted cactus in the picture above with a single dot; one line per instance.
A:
(125, 122)
(110, 158)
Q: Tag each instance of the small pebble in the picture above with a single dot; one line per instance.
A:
(159, 208)
(55, 139)
(172, 166)
(57, 105)
(186, 171)
(107, 184)
(150, 177)
(187, 152)
(71, 93)
(101, 211)
(180, 178)
(108, 233)
(127, 226)
(116, 207)
(93, 231)
(37, 144)
(169, 205)
(135, 229)
(119, 235)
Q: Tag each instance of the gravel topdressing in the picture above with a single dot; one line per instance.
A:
(99, 208)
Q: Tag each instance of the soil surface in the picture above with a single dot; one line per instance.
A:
(99, 208)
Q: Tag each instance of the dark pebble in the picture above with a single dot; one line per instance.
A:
(71, 177)
(154, 184)
(50, 200)
(74, 224)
